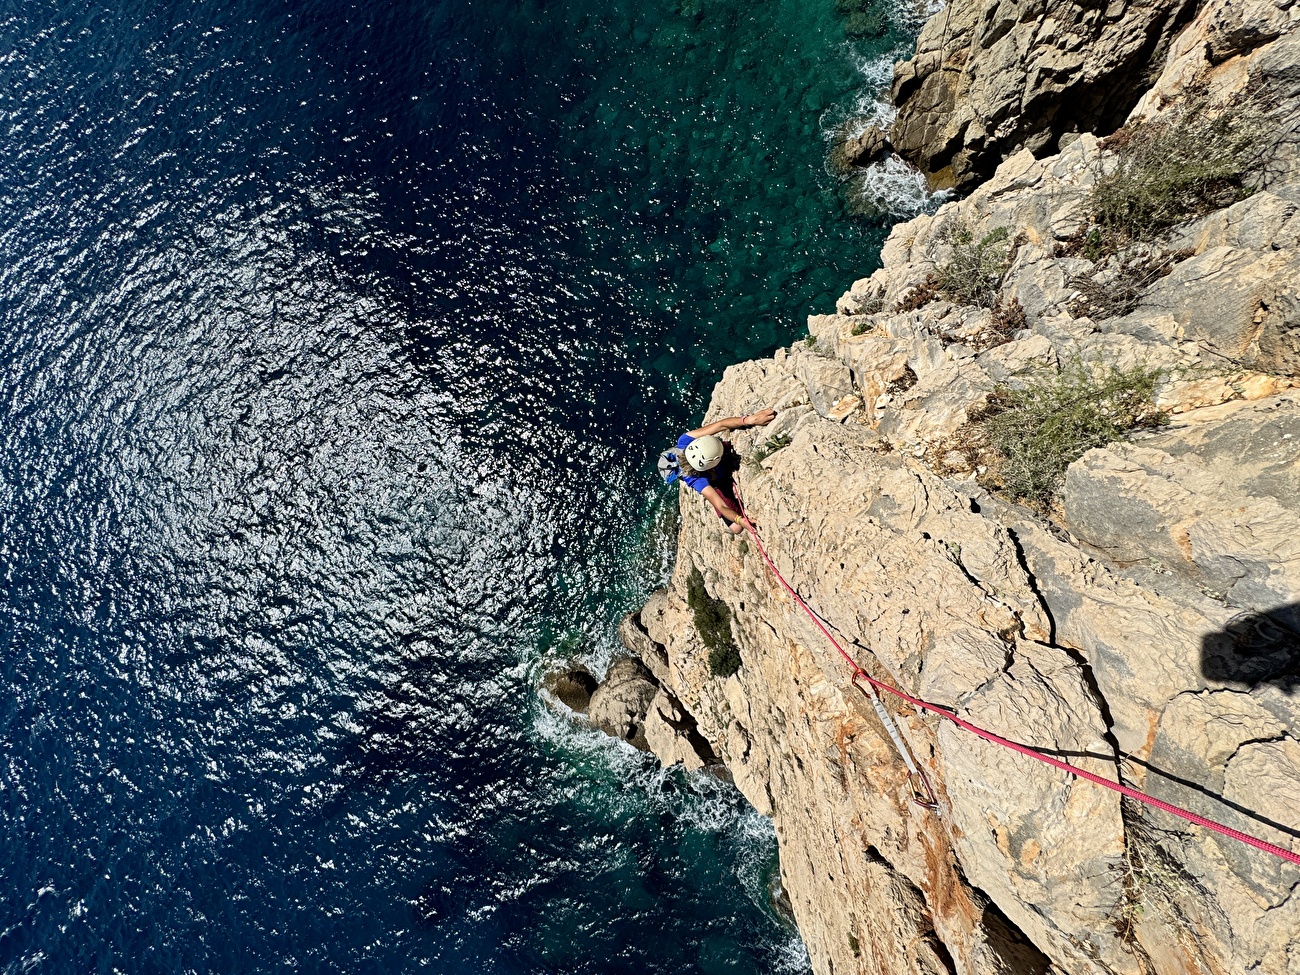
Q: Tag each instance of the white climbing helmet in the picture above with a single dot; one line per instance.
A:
(704, 453)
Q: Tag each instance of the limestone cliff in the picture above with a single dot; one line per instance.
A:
(1144, 624)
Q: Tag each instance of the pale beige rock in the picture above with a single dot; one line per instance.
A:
(827, 380)
(671, 733)
(632, 634)
(1018, 843)
(978, 606)
(1239, 303)
(1184, 396)
(1261, 385)
(1217, 503)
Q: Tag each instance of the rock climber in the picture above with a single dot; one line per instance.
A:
(698, 461)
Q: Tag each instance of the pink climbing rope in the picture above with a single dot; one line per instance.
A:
(860, 674)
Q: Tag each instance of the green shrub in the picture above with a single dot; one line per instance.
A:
(1094, 245)
(1173, 169)
(1036, 432)
(713, 623)
(773, 444)
(975, 271)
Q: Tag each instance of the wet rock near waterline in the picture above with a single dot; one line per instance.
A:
(857, 148)
(571, 686)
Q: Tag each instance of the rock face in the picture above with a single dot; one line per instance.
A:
(992, 77)
(634, 701)
(1146, 626)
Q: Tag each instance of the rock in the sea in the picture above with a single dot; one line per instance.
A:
(619, 704)
(571, 686)
(859, 149)
(632, 633)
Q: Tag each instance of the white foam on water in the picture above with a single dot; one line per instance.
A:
(890, 185)
(897, 189)
(628, 783)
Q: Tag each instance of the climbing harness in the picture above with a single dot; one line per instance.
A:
(861, 677)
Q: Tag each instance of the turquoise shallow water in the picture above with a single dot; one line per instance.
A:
(340, 339)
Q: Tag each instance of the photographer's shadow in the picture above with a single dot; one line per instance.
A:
(1254, 648)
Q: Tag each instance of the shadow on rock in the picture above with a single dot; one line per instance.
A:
(1256, 648)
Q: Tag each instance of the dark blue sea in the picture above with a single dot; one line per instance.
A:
(338, 343)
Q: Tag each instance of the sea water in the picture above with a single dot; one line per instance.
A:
(339, 340)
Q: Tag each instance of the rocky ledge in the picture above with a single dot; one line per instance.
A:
(1139, 615)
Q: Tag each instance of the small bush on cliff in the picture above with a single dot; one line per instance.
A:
(974, 273)
(1173, 169)
(773, 444)
(1038, 431)
(713, 623)
(1122, 284)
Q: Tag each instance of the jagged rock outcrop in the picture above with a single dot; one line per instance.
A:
(858, 148)
(1146, 625)
(634, 702)
(993, 77)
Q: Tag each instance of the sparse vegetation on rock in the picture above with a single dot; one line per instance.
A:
(974, 273)
(1036, 431)
(1173, 169)
(713, 623)
(769, 447)
(1119, 283)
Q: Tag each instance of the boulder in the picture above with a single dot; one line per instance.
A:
(619, 705)
(673, 735)
(571, 686)
(859, 149)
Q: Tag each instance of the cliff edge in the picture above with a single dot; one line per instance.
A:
(1136, 612)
